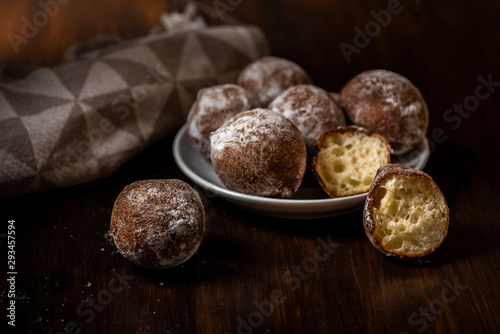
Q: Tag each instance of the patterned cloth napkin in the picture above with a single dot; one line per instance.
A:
(80, 121)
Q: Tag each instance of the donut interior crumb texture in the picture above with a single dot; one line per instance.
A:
(348, 159)
(406, 214)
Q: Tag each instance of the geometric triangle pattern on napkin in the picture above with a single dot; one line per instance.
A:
(80, 121)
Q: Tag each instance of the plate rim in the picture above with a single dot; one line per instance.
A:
(258, 199)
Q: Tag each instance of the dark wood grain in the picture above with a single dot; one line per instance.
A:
(65, 259)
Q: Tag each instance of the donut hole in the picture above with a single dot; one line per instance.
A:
(409, 215)
(213, 106)
(347, 161)
(261, 153)
(268, 77)
(375, 99)
(158, 224)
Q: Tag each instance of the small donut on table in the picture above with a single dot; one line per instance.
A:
(158, 223)
(405, 214)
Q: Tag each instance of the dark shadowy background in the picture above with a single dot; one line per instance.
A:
(64, 257)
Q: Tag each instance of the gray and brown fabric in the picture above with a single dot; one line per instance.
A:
(81, 120)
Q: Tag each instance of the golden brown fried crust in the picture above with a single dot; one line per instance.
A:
(157, 223)
(259, 152)
(213, 106)
(268, 77)
(389, 104)
(312, 110)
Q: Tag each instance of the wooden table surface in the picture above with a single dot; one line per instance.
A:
(254, 274)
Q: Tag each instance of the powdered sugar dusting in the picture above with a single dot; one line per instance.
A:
(212, 108)
(250, 126)
(312, 111)
(268, 77)
(411, 109)
(389, 104)
(387, 85)
(335, 96)
(259, 152)
(158, 223)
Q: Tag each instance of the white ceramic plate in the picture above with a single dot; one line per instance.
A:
(307, 203)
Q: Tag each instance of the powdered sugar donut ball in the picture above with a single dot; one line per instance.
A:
(259, 152)
(311, 109)
(389, 104)
(268, 77)
(213, 106)
(158, 223)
